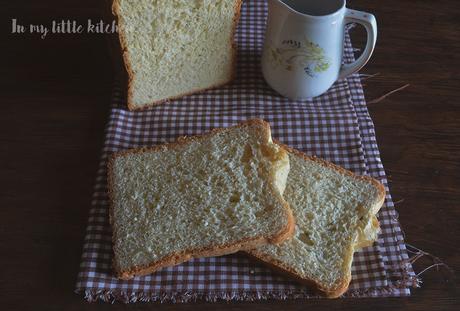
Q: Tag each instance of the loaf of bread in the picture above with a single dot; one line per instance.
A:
(335, 215)
(174, 48)
(201, 196)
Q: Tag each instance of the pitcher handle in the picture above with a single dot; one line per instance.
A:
(370, 24)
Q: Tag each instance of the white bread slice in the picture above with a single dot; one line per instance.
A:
(175, 48)
(202, 196)
(335, 214)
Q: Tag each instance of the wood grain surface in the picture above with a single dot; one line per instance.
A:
(54, 98)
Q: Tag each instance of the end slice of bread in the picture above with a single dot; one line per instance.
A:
(175, 48)
(335, 215)
(201, 196)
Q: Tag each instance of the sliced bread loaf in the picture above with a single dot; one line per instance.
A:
(174, 48)
(335, 214)
(201, 196)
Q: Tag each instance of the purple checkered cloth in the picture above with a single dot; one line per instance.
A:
(335, 126)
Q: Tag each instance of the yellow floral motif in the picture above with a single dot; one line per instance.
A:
(295, 54)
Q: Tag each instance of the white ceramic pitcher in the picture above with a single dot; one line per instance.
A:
(303, 49)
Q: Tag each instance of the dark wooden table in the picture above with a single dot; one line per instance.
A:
(54, 101)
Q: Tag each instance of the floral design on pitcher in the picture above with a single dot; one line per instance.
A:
(296, 54)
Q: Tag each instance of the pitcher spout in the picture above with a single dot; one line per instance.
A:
(306, 7)
(286, 6)
(280, 6)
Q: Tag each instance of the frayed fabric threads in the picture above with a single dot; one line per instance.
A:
(191, 296)
(437, 263)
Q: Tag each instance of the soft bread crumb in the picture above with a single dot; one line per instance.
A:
(176, 47)
(335, 214)
(201, 196)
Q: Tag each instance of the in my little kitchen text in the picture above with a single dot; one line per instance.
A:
(64, 27)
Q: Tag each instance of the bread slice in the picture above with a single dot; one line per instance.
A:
(201, 196)
(335, 214)
(175, 48)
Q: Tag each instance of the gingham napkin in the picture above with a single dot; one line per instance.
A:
(335, 126)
